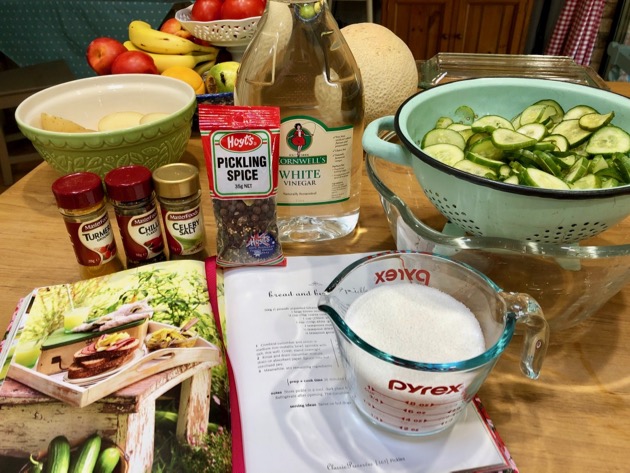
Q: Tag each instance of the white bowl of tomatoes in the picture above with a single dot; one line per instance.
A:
(223, 23)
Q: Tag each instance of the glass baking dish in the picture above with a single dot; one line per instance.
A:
(449, 67)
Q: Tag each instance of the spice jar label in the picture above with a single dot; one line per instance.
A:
(184, 231)
(93, 240)
(141, 235)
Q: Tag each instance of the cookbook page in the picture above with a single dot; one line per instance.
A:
(295, 411)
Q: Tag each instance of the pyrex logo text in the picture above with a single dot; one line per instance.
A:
(389, 275)
(241, 142)
(396, 385)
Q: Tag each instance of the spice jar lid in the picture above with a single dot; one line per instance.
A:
(78, 190)
(176, 181)
(129, 183)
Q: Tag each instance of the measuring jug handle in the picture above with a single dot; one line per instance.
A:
(375, 145)
(528, 312)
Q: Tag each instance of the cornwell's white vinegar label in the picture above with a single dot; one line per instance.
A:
(315, 162)
(242, 163)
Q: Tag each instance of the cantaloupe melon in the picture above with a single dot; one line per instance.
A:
(387, 66)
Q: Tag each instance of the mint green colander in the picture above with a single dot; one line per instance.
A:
(484, 207)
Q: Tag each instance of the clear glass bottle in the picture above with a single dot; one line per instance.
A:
(81, 201)
(130, 191)
(179, 195)
(299, 62)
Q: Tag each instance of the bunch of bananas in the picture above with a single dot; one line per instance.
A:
(169, 50)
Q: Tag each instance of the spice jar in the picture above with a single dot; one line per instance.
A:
(130, 191)
(81, 201)
(179, 195)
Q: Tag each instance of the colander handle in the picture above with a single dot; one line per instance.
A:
(528, 312)
(375, 145)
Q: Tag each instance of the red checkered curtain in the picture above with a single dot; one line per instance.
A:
(576, 30)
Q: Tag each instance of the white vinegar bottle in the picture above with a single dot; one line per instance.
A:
(299, 61)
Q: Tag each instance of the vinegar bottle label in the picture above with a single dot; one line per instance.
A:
(315, 162)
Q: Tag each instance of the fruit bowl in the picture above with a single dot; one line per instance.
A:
(571, 282)
(234, 35)
(86, 101)
(487, 207)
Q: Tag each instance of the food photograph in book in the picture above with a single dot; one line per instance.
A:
(84, 333)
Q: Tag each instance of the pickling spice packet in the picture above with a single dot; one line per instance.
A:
(241, 149)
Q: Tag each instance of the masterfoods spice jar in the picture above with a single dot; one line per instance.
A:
(130, 191)
(179, 195)
(81, 201)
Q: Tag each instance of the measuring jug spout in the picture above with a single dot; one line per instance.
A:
(526, 311)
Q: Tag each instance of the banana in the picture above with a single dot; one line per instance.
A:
(164, 61)
(204, 67)
(154, 41)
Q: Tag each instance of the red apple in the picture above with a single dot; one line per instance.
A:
(173, 26)
(206, 10)
(134, 62)
(101, 53)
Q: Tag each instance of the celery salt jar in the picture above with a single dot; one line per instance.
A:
(179, 195)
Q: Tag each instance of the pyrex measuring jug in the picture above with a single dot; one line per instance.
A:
(413, 396)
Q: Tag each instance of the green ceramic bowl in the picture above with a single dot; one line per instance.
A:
(86, 101)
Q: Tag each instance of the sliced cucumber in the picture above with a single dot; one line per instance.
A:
(513, 179)
(566, 162)
(547, 163)
(590, 181)
(608, 140)
(577, 111)
(443, 135)
(465, 114)
(485, 147)
(445, 153)
(594, 121)
(489, 123)
(577, 171)
(542, 146)
(535, 130)
(622, 163)
(493, 164)
(443, 122)
(598, 163)
(537, 178)
(560, 142)
(572, 131)
(558, 116)
(533, 114)
(507, 139)
(476, 169)
(464, 130)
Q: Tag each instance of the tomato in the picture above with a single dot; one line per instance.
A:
(238, 9)
(206, 10)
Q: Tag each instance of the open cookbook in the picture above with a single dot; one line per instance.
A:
(277, 352)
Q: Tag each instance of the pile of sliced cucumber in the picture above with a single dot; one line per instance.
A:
(543, 146)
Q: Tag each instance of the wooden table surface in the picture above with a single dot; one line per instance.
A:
(575, 418)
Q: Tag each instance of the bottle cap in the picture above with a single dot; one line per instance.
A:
(176, 181)
(129, 183)
(78, 190)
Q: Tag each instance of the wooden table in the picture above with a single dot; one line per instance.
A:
(575, 418)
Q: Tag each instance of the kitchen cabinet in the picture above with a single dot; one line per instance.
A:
(462, 26)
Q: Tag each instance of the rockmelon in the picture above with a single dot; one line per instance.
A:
(388, 68)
